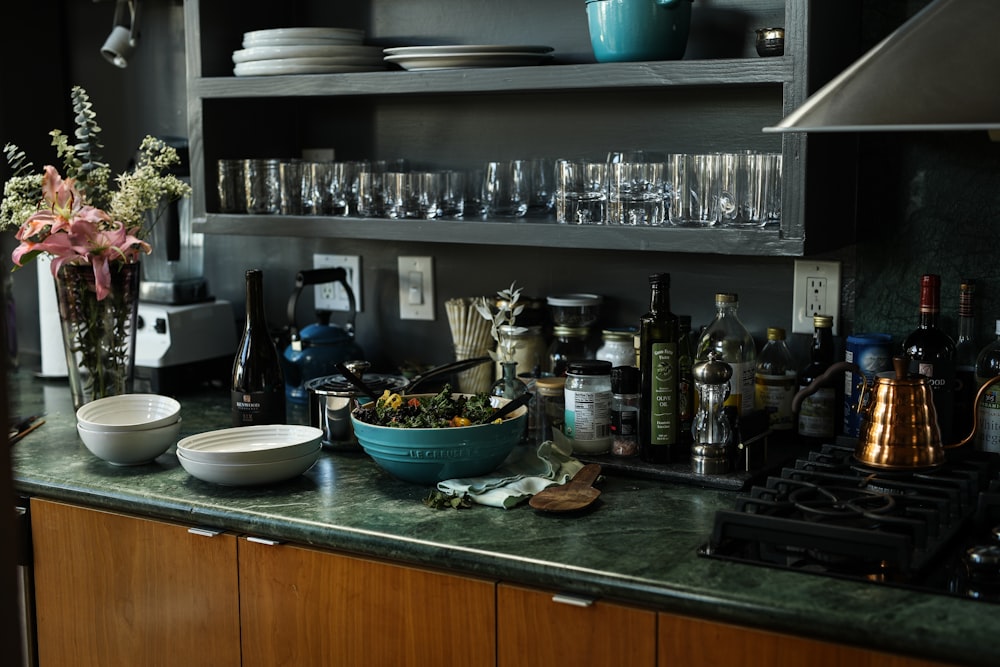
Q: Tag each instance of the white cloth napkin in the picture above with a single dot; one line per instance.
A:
(525, 472)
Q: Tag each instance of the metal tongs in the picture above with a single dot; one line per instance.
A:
(20, 428)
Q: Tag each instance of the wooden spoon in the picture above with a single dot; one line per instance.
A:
(573, 495)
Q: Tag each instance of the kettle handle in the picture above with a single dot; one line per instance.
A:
(670, 3)
(821, 380)
(975, 413)
(319, 277)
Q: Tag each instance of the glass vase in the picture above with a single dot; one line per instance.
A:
(508, 385)
(99, 336)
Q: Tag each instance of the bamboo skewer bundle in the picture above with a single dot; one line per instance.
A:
(470, 333)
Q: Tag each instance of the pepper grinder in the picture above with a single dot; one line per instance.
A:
(711, 430)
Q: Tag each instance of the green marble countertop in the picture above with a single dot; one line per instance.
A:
(638, 544)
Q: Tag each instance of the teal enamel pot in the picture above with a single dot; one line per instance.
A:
(629, 30)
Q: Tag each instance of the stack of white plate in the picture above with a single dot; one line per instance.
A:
(305, 51)
(420, 58)
(250, 454)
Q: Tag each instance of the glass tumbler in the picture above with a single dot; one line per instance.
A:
(581, 192)
(262, 182)
(232, 192)
(636, 194)
(506, 189)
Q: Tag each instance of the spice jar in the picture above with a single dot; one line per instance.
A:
(549, 407)
(617, 346)
(625, 410)
(588, 406)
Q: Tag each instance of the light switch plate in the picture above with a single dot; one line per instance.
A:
(416, 288)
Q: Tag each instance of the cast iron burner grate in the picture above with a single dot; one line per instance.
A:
(827, 514)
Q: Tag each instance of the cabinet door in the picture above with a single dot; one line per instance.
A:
(687, 642)
(302, 607)
(536, 628)
(118, 590)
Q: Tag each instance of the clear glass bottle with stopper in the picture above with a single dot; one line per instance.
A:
(712, 434)
(734, 344)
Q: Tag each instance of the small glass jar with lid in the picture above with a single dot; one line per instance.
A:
(568, 344)
(550, 406)
(588, 406)
(530, 349)
(618, 346)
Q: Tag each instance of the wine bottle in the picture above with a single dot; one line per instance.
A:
(817, 413)
(659, 409)
(966, 351)
(775, 381)
(685, 380)
(931, 352)
(258, 388)
(727, 336)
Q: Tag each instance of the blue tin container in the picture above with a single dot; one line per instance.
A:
(873, 354)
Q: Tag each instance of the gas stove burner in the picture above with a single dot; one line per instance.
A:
(839, 502)
(891, 473)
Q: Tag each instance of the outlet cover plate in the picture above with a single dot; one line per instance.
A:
(331, 296)
(416, 288)
(816, 291)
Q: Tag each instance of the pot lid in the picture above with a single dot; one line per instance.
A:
(339, 385)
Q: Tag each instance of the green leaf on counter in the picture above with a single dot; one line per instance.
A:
(440, 500)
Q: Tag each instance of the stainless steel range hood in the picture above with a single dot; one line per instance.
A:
(939, 71)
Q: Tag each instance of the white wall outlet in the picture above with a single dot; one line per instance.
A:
(416, 288)
(332, 296)
(816, 292)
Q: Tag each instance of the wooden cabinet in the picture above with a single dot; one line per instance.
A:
(301, 607)
(718, 99)
(688, 642)
(118, 590)
(538, 628)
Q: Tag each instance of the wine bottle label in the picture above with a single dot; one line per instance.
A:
(774, 397)
(664, 413)
(816, 414)
(988, 427)
(257, 408)
(742, 394)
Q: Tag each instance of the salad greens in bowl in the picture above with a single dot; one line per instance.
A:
(427, 438)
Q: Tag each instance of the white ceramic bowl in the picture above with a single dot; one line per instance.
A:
(129, 412)
(248, 474)
(251, 444)
(126, 448)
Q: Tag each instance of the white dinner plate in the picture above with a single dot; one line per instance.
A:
(361, 53)
(449, 61)
(454, 49)
(249, 474)
(278, 67)
(350, 34)
(349, 61)
(251, 444)
(299, 41)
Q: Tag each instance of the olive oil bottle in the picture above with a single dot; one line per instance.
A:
(659, 409)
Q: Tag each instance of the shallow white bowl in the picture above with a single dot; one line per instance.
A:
(129, 412)
(126, 448)
(249, 474)
(251, 444)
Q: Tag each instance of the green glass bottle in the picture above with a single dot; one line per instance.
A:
(659, 411)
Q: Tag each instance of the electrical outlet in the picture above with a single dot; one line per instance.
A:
(332, 296)
(416, 288)
(816, 292)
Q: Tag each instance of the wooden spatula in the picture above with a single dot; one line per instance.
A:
(573, 495)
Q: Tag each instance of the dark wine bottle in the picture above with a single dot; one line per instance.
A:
(931, 352)
(258, 386)
(966, 351)
(818, 412)
(659, 407)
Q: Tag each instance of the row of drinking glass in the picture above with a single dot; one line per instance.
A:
(722, 188)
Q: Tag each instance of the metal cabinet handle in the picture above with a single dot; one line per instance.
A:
(573, 600)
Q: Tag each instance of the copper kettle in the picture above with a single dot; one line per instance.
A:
(898, 426)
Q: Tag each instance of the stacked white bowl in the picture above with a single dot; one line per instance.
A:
(305, 51)
(129, 429)
(249, 455)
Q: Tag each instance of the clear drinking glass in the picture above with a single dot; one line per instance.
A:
(636, 194)
(232, 189)
(262, 183)
(295, 187)
(581, 192)
(506, 189)
(694, 189)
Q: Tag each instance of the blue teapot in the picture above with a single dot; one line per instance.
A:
(316, 349)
